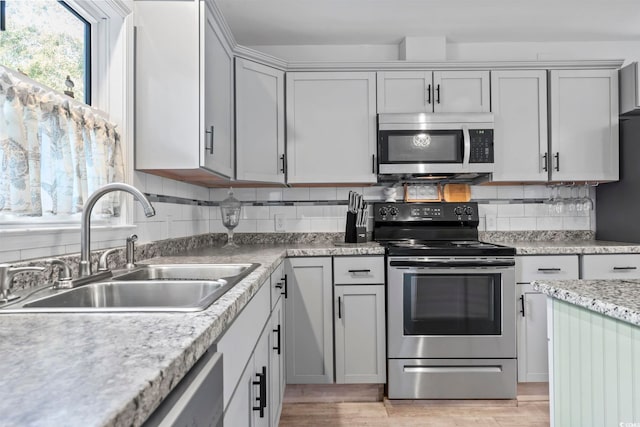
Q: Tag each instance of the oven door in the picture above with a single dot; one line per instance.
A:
(451, 308)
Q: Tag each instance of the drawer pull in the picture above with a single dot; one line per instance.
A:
(550, 270)
(624, 268)
(359, 271)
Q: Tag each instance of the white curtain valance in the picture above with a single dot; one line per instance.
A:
(54, 151)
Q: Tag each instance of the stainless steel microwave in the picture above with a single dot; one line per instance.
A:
(435, 143)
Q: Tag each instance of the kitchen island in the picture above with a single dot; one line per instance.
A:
(114, 369)
(594, 351)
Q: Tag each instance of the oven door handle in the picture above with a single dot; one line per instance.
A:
(500, 263)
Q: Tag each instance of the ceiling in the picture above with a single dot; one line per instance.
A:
(301, 22)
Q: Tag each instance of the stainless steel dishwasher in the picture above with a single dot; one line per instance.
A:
(197, 400)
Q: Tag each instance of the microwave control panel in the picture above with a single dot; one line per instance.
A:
(481, 143)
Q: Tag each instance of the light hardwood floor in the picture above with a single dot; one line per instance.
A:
(531, 409)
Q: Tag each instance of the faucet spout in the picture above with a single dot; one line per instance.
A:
(85, 231)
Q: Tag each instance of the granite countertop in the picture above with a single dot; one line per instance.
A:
(572, 247)
(114, 369)
(619, 299)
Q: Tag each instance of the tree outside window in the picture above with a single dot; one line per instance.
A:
(47, 41)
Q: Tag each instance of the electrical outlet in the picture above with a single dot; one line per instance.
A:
(279, 222)
(490, 223)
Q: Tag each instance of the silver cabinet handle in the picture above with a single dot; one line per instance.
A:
(210, 147)
(557, 158)
(624, 268)
(545, 162)
(429, 94)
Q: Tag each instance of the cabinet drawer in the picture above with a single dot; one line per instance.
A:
(546, 267)
(277, 284)
(358, 270)
(618, 266)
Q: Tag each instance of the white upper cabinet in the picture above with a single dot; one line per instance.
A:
(331, 127)
(519, 106)
(584, 125)
(438, 91)
(184, 92)
(260, 122)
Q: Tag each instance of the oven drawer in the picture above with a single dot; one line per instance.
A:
(350, 270)
(615, 266)
(546, 267)
(452, 379)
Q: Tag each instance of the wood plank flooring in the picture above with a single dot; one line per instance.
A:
(531, 409)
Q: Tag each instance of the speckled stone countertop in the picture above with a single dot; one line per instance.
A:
(619, 299)
(114, 369)
(572, 247)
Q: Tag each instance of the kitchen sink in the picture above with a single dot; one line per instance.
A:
(185, 272)
(150, 288)
(143, 295)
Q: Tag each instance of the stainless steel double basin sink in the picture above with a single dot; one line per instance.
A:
(156, 288)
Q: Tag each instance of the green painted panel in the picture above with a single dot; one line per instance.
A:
(596, 368)
(585, 368)
(625, 371)
(574, 367)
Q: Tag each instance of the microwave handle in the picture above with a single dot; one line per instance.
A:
(467, 146)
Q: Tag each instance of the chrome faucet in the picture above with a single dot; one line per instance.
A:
(85, 232)
(64, 275)
(6, 279)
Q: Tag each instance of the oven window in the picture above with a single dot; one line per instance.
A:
(421, 146)
(452, 304)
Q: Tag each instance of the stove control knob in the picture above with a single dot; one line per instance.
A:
(393, 211)
(383, 211)
(468, 210)
(458, 210)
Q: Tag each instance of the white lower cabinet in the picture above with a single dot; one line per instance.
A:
(531, 311)
(360, 334)
(309, 320)
(352, 305)
(611, 266)
(277, 379)
(253, 357)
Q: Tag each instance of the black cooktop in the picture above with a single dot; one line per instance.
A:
(447, 248)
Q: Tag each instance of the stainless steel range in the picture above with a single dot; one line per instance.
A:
(450, 304)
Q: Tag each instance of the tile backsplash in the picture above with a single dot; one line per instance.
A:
(501, 208)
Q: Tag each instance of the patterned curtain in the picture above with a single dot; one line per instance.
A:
(54, 151)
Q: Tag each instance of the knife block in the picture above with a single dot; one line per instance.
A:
(352, 233)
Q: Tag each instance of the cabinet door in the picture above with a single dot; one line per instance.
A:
(259, 122)
(461, 92)
(331, 127)
(405, 92)
(261, 379)
(216, 74)
(519, 105)
(239, 412)
(277, 379)
(533, 365)
(584, 125)
(360, 334)
(309, 320)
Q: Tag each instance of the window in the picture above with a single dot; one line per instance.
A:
(47, 40)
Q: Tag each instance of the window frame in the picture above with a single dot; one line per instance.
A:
(111, 69)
